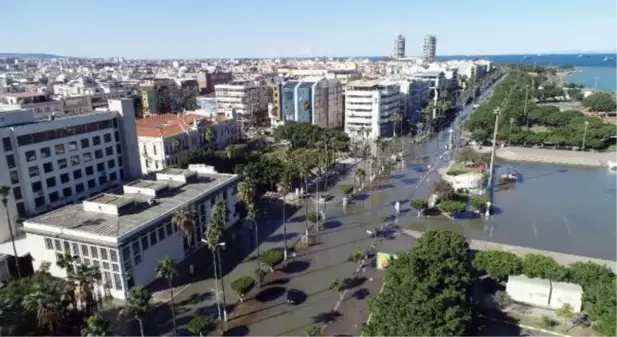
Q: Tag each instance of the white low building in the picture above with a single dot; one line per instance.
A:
(369, 108)
(566, 293)
(127, 234)
(534, 291)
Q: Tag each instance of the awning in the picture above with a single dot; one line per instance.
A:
(20, 245)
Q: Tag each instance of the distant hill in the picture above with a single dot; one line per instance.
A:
(28, 56)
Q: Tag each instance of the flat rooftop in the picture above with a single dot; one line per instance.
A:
(137, 211)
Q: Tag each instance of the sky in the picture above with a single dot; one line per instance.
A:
(181, 29)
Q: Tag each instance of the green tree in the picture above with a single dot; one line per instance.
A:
(566, 311)
(499, 264)
(96, 325)
(360, 175)
(86, 277)
(338, 286)
(478, 202)
(138, 303)
(346, 189)
(452, 207)
(272, 258)
(200, 325)
(588, 274)
(45, 300)
(242, 286)
(184, 221)
(467, 154)
(537, 265)
(427, 290)
(601, 306)
(443, 190)
(166, 269)
(600, 101)
(209, 135)
(314, 218)
(66, 261)
(420, 205)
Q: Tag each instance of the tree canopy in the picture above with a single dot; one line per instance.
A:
(427, 290)
(310, 135)
(601, 101)
(498, 264)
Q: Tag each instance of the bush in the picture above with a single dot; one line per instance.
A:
(313, 217)
(467, 154)
(242, 285)
(601, 101)
(451, 207)
(456, 172)
(419, 204)
(478, 202)
(346, 189)
(272, 258)
(548, 322)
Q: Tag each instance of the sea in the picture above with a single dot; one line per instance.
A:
(594, 71)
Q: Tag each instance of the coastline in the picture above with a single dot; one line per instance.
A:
(549, 156)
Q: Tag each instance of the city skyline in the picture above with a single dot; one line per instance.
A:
(273, 28)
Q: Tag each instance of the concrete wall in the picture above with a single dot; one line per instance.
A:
(561, 258)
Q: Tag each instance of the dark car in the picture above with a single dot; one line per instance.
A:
(295, 296)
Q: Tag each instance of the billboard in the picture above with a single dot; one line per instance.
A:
(383, 260)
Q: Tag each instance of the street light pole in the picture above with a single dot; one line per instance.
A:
(497, 112)
(585, 135)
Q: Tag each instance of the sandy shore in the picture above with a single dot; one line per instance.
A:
(549, 156)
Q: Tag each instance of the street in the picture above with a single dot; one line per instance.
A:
(313, 269)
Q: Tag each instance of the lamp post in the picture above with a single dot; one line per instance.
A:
(585, 134)
(217, 256)
(489, 186)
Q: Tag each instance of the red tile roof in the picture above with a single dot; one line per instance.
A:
(168, 125)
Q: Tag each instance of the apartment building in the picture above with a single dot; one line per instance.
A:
(100, 92)
(246, 101)
(315, 100)
(398, 52)
(163, 138)
(42, 104)
(159, 95)
(429, 48)
(414, 97)
(55, 161)
(208, 80)
(126, 234)
(369, 108)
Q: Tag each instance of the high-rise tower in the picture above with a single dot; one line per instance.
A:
(429, 49)
(399, 47)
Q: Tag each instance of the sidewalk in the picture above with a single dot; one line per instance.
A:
(198, 296)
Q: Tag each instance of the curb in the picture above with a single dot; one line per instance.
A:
(527, 327)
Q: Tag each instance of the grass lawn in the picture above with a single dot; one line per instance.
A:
(559, 328)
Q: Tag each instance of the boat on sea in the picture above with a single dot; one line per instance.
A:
(507, 174)
(612, 165)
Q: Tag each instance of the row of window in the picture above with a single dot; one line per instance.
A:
(34, 171)
(67, 192)
(46, 136)
(59, 149)
(106, 259)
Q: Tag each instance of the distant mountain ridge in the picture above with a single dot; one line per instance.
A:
(29, 56)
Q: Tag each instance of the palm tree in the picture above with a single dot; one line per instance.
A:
(138, 303)
(284, 186)
(246, 193)
(4, 193)
(96, 325)
(86, 276)
(66, 261)
(213, 235)
(398, 119)
(167, 269)
(209, 135)
(360, 175)
(46, 302)
(184, 220)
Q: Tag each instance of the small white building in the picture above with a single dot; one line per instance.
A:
(127, 234)
(534, 291)
(566, 293)
(369, 108)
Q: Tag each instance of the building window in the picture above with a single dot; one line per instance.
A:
(58, 245)
(21, 209)
(89, 170)
(67, 246)
(67, 192)
(36, 186)
(14, 177)
(169, 229)
(117, 282)
(6, 142)
(113, 255)
(104, 255)
(62, 164)
(100, 167)
(118, 149)
(94, 252)
(111, 163)
(75, 248)
(30, 155)
(10, 161)
(120, 161)
(85, 143)
(64, 178)
(102, 180)
(91, 184)
(115, 267)
(153, 238)
(59, 149)
(161, 230)
(51, 182)
(96, 140)
(76, 174)
(53, 196)
(33, 171)
(145, 243)
(49, 244)
(17, 192)
(48, 167)
(98, 154)
(39, 202)
(109, 150)
(87, 157)
(84, 250)
(117, 136)
(113, 176)
(72, 146)
(79, 188)
(107, 137)
(75, 160)
(45, 152)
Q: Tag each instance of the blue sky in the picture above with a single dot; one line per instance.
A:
(277, 28)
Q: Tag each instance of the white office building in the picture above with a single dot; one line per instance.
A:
(429, 49)
(55, 161)
(244, 101)
(369, 108)
(127, 234)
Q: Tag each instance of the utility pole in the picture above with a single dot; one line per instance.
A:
(489, 186)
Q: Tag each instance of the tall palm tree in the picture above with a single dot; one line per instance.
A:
(45, 300)
(252, 217)
(138, 303)
(214, 234)
(246, 193)
(86, 276)
(184, 220)
(304, 172)
(209, 135)
(361, 175)
(284, 187)
(167, 269)
(66, 261)
(96, 325)
(4, 193)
